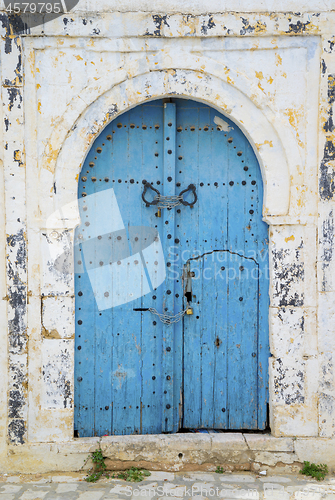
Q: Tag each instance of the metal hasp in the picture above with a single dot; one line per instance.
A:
(167, 319)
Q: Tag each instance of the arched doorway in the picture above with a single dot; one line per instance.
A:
(137, 371)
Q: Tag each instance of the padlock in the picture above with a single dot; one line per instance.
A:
(189, 311)
(159, 213)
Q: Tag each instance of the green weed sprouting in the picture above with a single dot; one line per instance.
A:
(99, 469)
(317, 471)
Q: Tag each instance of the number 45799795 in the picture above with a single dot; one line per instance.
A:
(36, 7)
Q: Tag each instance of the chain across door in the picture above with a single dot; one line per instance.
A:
(171, 286)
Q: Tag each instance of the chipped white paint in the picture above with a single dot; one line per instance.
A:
(57, 358)
(271, 74)
(222, 125)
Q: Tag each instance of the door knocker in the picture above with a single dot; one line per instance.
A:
(168, 202)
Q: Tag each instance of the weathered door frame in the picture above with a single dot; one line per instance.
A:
(85, 422)
(255, 122)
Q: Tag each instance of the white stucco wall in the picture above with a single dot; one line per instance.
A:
(274, 75)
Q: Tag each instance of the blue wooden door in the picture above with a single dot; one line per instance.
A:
(206, 253)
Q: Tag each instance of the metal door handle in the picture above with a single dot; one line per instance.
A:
(169, 201)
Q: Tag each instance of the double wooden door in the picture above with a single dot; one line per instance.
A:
(171, 310)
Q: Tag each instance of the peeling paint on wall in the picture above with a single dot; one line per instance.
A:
(289, 382)
(17, 334)
(264, 57)
(56, 372)
(288, 275)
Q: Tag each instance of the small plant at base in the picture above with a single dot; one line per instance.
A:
(219, 470)
(99, 466)
(316, 471)
(133, 474)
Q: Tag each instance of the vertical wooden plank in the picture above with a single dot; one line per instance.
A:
(84, 356)
(151, 343)
(188, 236)
(106, 248)
(255, 187)
(209, 243)
(126, 329)
(193, 383)
(242, 328)
(219, 160)
(169, 155)
(242, 347)
(220, 390)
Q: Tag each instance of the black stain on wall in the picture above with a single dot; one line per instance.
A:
(17, 334)
(18, 69)
(329, 124)
(327, 246)
(330, 48)
(206, 26)
(16, 404)
(9, 24)
(12, 24)
(55, 374)
(326, 182)
(323, 66)
(159, 21)
(286, 276)
(298, 28)
(14, 94)
(288, 386)
(247, 28)
(16, 431)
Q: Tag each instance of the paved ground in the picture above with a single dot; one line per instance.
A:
(166, 486)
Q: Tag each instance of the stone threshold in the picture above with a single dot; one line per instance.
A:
(176, 452)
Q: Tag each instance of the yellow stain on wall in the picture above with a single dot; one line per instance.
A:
(227, 71)
(259, 75)
(17, 156)
(188, 21)
(260, 27)
(79, 58)
(294, 117)
(266, 142)
(50, 158)
(39, 105)
(290, 238)
(279, 60)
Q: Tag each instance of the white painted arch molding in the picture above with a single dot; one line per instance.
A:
(257, 123)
